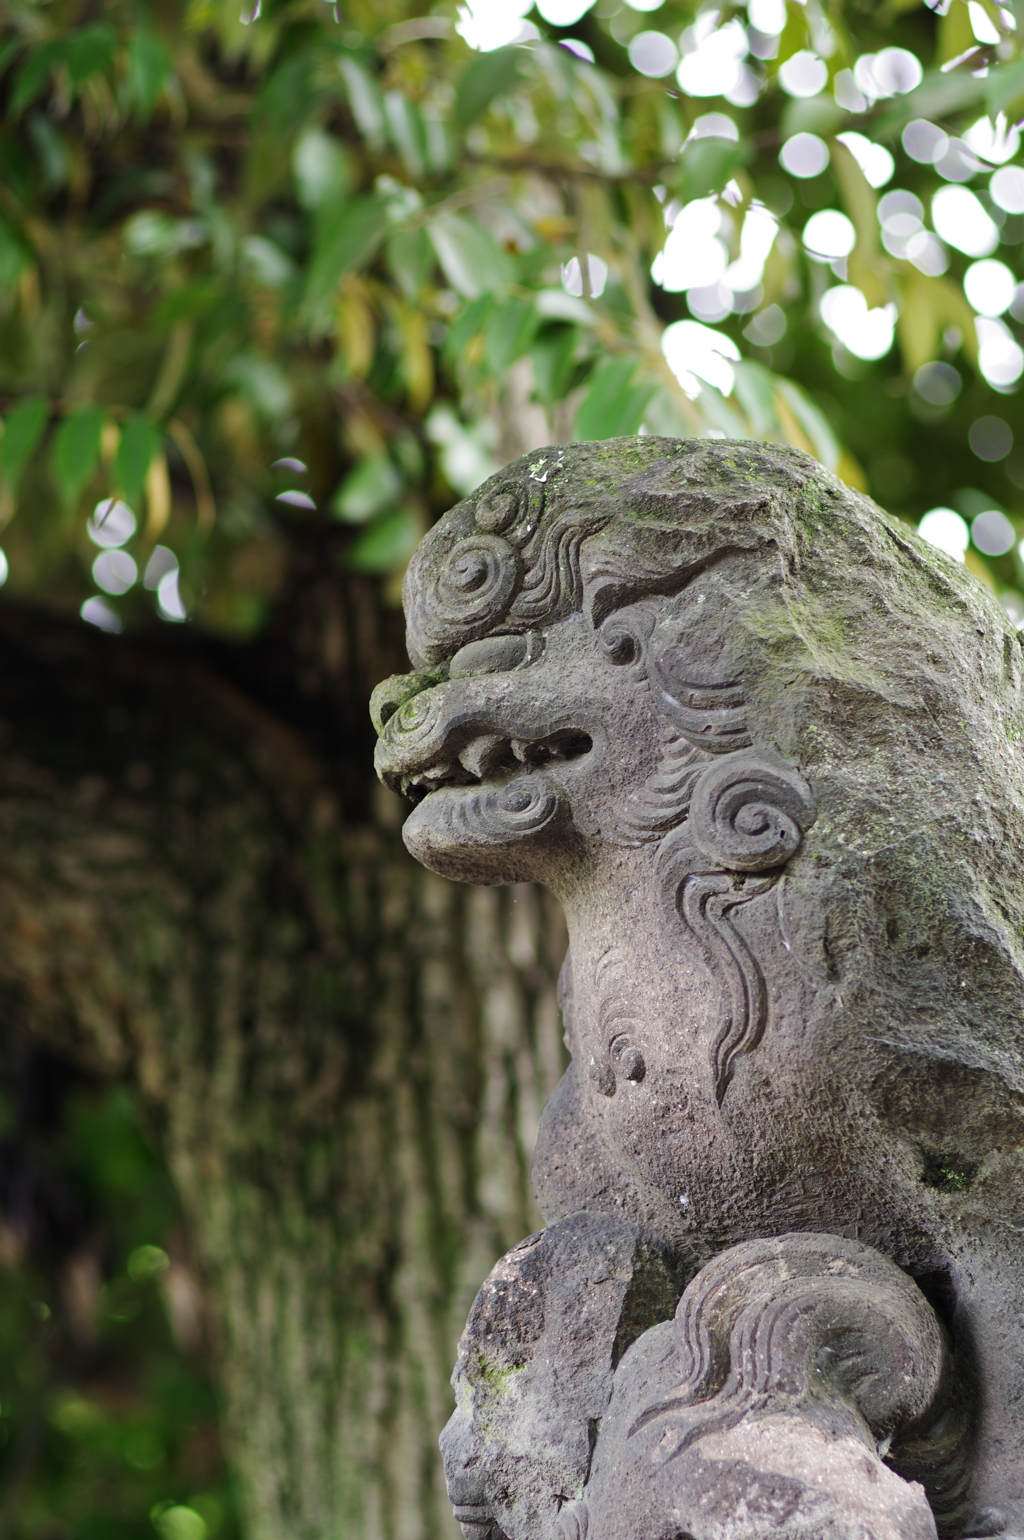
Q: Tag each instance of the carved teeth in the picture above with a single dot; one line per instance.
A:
(491, 754)
(450, 773)
(484, 754)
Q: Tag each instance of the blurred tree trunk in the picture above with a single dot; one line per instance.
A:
(345, 1056)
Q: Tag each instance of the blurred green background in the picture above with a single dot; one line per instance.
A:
(279, 281)
(109, 1419)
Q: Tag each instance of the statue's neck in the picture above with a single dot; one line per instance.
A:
(624, 945)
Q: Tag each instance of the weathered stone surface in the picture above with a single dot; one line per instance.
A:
(535, 1369)
(764, 746)
(791, 1367)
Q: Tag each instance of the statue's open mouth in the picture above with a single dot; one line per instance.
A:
(492, 758)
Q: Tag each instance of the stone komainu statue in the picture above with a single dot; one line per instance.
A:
(764, 746)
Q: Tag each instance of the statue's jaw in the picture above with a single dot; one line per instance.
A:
(488, 832)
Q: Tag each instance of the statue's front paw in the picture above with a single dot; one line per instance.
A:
(996, 1523)
(535, 1370)
(762, 1408)
(477, 1522)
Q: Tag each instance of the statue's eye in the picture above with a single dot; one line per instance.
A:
(493, 655)
(618, 644)
(624, 649)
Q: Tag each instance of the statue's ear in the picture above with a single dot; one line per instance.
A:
(693, 669)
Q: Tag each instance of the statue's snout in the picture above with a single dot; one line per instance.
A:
(468, 731)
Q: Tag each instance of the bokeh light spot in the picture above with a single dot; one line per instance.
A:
(873, 159)
(829, 235)
(111, 524)
(653, 54)
(944, 528)
(990, 438)
(924, 142)
(863, 332)
(1007, 189)
(992, 533)
(803, 74)
(990, 286)
(114, 571)
(937, 383)
(962, 221)
(98, 613)
(804, 155)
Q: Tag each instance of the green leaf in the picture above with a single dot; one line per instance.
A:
(151, 233)
(861, 203)
(266, 262)
(349, 236)
(473, 262)
(191, 299)
(813, 421)
(755, 391)
(263, 382)
(75, 450)
(481, 81)
(9, 52)
(812, 115)
(509, 333)
(35, 72)
(138, 444)
(364, 98)
(149, 69)
(388, 543)
(321, 168)
(613, 405)
(369, 488)
(23, 429)
(406, 132)
(410, 259)
(440, 146)
(15, 255)
(52, 151)
(469, 325)
(290, 95)
(1003, 86)
(936, 97)
(706, 166)
(17, 172)
(795, 34)
(90, 52)
(553, 358)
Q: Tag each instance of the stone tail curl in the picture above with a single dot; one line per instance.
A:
(818, 1325)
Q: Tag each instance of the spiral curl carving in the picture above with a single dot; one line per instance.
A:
(812, 1326)
(623, 638)
(476, 583)
(526, 804)
(523, 806)
(748, 814)
(498, 511)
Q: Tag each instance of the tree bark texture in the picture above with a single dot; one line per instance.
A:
(345, 1056)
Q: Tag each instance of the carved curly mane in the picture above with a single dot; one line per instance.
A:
(799, 573)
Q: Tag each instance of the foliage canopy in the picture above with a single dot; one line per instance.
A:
(318, 263)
